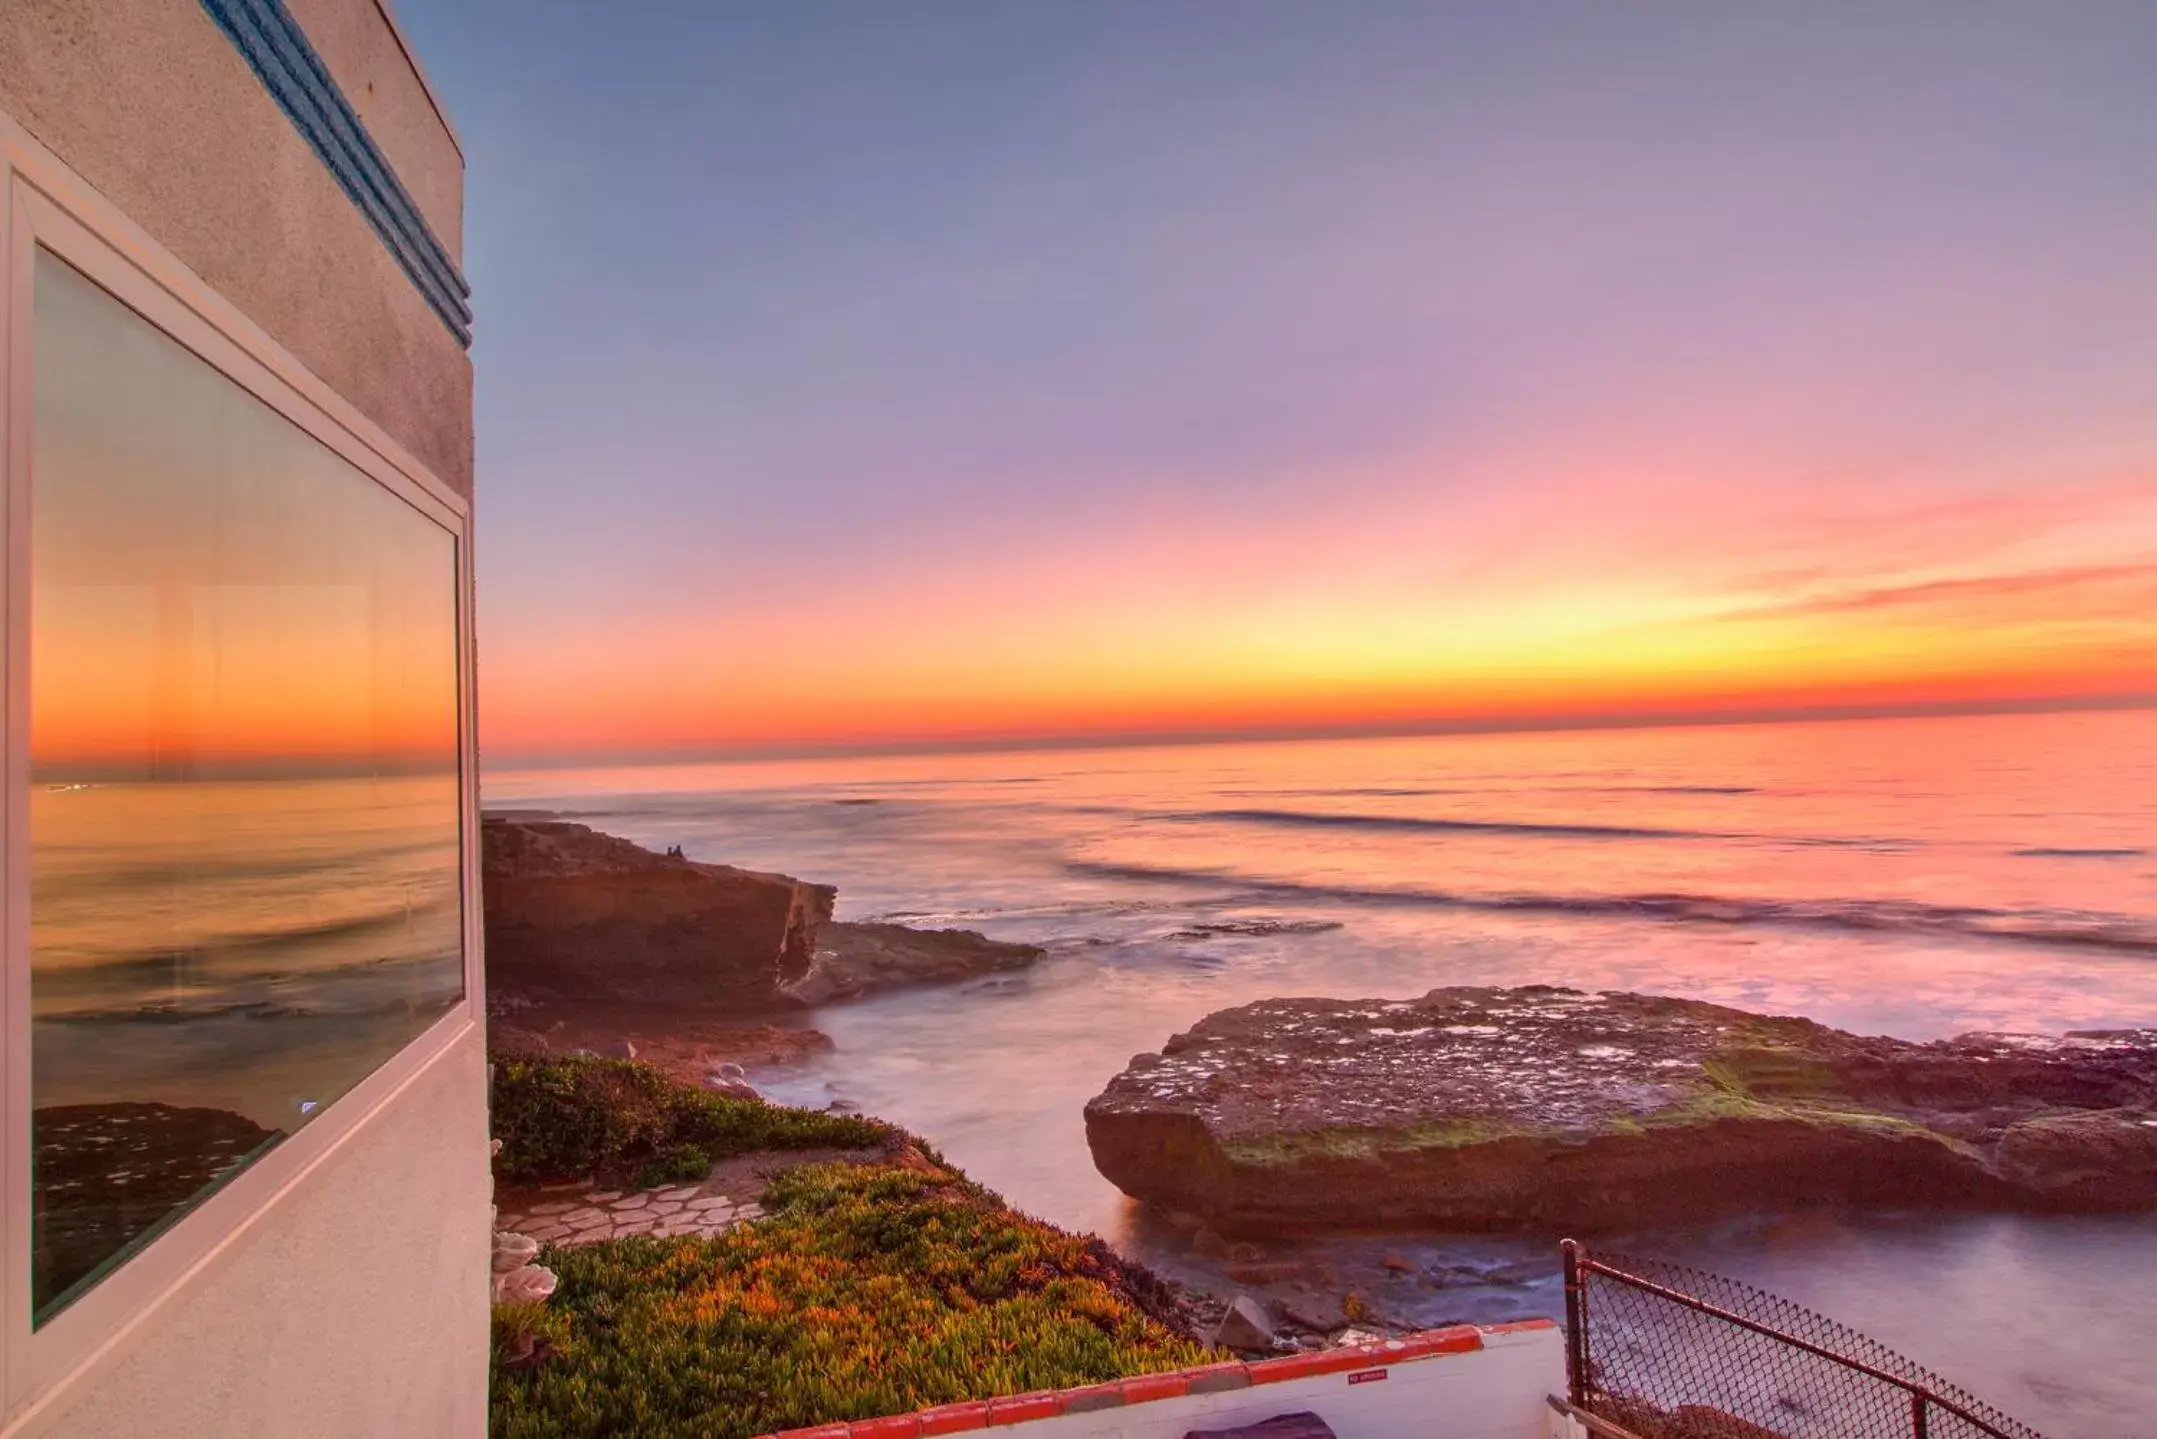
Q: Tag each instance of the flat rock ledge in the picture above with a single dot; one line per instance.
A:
(853, 959)
(1539, 1108)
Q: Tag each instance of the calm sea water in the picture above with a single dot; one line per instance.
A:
(254, 946)
(1918, 877)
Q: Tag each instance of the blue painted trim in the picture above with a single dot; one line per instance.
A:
(278, 52)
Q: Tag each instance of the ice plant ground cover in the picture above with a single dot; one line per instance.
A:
(867, 1289)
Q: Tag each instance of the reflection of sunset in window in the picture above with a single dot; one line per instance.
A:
(257, 673)
(245, 890)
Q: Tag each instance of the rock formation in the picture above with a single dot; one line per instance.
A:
(852, 959)
(1245, 1327)
(1547, 1109)
(109, 1173)
(576, 914)
(581, 920)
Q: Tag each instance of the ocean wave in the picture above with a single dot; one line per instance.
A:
(1542, 829)
(2056, 852)
(304, 936)
(1376, 791)
(2076, 929)
(1313, 819)
(706, 802)
(176, 1012)
(130, 877)
(313, 954)
(1410, 792)
(184, 1012)
(1256, 928)
(1070, 909)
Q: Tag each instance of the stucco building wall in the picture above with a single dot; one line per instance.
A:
(361, 43)
(149, 102)
(354, 1306)
(354, 1303)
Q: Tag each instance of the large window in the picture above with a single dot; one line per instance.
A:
(245, 794)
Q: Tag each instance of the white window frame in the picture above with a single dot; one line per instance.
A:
(44, 204)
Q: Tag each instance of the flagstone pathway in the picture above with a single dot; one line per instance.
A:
(576, 1214)
(580, 1211)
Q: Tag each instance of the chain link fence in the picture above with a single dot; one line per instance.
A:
(1669, 1352)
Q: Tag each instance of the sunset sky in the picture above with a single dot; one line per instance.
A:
(859, 374)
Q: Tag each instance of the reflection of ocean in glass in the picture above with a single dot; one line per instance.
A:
(245, 816)
(256, 946)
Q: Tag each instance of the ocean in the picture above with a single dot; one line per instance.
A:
(213, 963)
(1916, 877)
(254, 946)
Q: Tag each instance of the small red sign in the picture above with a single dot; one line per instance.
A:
(1367, 1376)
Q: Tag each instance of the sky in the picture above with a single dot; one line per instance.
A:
(860, 375)
(217, 593)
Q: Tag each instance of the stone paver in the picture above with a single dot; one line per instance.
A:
(670, 1211)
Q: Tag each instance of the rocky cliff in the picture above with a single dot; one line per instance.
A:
(579, 918)
(1541, 1108)
(575, 914)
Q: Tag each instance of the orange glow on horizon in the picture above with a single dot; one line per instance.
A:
(306, 681)
(1639, 606)
(1534, 597)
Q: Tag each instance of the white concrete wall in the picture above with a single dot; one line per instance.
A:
(355, 1307)
(1500, 1391)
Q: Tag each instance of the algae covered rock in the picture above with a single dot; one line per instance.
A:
(1544, 1108)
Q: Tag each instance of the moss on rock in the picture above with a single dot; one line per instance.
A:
(1539, 1107)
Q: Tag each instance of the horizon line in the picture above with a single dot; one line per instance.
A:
(1405, 729)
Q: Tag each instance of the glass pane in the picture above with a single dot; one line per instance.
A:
(244, 808)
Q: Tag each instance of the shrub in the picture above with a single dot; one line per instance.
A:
(568, 1118)
(866, 1291)
(680, 1162)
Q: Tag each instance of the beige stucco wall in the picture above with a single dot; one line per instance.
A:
(361, 43)
(149, 102)
(355, 1304)
(354, 1309)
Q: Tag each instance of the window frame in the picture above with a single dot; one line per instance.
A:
(45, 205)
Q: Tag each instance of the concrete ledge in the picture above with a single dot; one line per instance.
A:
(1360, 1363)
